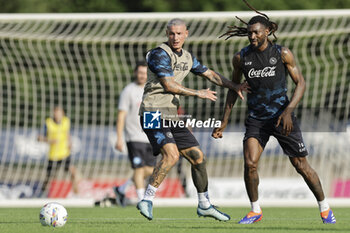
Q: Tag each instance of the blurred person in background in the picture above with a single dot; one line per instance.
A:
(57, 135)
(139, 149)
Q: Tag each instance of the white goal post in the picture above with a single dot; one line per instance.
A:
(83, 61)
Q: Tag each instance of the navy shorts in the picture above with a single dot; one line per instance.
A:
(292, 145)
(181, 136)
(140, 154)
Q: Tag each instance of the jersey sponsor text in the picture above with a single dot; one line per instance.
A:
(268, 71)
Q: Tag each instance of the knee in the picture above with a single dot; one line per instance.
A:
(171, 158)
(199, 161)
(148, 171)
(72, 171)
(196, 156)
(250, 165)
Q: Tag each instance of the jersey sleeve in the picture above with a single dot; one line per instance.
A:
(197, 67)
(124, 100)
(159, 62)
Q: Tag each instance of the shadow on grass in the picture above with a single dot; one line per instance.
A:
(270, 228)
(19, 222)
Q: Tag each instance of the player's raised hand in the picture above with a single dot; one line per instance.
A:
(207, 94)
(239, 88)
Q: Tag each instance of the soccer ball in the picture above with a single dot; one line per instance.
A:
(53, 214)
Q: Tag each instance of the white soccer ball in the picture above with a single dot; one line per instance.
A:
(53, 214)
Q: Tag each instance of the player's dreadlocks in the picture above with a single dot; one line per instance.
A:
(243, 31)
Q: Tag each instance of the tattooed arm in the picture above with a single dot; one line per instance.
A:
(159, 62)
(170, 85)
(220, 80)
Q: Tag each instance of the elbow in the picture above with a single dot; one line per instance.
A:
(168, 88)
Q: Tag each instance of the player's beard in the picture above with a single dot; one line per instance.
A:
(260, 43)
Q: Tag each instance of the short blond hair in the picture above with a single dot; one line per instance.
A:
(176, 22)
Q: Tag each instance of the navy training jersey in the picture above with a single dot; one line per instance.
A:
(159, 63)
(266, 76)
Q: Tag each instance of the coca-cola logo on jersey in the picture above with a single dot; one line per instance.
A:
(268, 71)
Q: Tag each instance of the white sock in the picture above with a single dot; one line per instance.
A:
(122, 188)
(150, 193)
(255, 206)
(140, 194)
(323, 205)
(203, 200)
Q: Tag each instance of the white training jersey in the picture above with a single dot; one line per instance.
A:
(129, 101)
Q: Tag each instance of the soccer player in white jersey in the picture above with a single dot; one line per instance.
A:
(168, 65)
(139, 150)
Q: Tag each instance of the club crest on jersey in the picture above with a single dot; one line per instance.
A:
(273, 61)
(268, 71)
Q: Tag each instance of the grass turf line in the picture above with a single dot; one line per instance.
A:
(173, 220)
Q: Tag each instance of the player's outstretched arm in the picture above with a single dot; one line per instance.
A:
(220, 80)
(170, 85)
(298, 79)
(42, 138)
(230, 98)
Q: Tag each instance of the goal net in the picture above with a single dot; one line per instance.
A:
(83, 61)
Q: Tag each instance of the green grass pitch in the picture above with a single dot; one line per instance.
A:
(173, 220)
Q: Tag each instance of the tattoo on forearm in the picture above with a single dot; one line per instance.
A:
(179, 89)
(185, 91)
(216, 79)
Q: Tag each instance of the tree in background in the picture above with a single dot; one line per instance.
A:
(77, 6)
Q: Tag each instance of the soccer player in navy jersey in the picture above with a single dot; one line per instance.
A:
(168, 65)
(265, 66)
